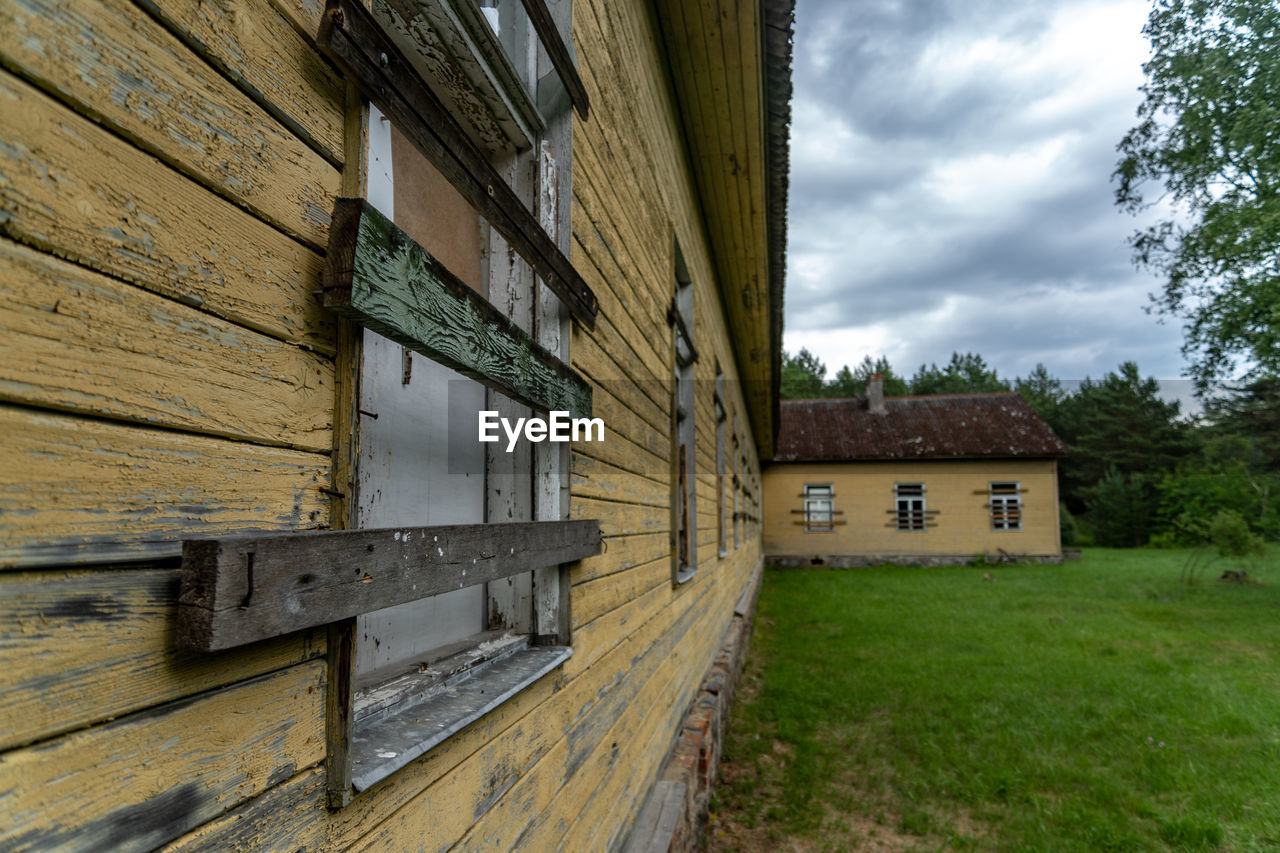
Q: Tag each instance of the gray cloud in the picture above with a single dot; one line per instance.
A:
(950, 186)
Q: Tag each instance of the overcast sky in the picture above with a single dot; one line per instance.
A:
(950, 186)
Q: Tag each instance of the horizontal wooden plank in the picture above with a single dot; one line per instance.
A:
(288, 816)
(72, 339)
(256, 45)
(472, 770)
(147, 778)
(126, 71)
(621, 519)
(622, 553)
(598, 597)
(378, 276)
(550, 741)
(84, 646)
(352, 37)
(595, 479)
(241, 589)
(76, 491)
(532, 815)
(76, 190)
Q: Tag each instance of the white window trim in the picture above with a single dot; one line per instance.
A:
(916, 518)
(1001, 502)
(814, 494)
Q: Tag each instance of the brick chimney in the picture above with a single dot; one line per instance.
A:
(875, 394)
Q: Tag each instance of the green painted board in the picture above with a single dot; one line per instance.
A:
(376, 275)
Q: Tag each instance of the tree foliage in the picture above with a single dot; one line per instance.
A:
(1043, 391)
(803, 376)
(1208, 136)
(965, 374)
(1138, 471)
(1120, 424)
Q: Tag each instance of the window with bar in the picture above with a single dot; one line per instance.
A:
(1006, 505)
(819, 509)
(909, 506)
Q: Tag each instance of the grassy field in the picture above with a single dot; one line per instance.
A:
(1097, 705)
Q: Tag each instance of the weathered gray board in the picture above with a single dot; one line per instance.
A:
(378, 276)
(241, 589)
(390, 741)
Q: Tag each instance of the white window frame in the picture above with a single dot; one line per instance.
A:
(818, 519)
(1004, 499)
(909, 507)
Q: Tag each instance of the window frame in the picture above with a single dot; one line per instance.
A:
(999, 502)
(913, 519)
(814, 493)
(368, 50)
(684, 414)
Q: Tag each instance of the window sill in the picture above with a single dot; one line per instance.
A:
(685, 575)
(429, 709)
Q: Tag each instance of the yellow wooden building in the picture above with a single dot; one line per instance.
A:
(265, 267)
(931, 480)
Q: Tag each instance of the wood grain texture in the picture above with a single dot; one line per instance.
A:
(79, 647)
(147, 778)
(716, 59)
(77, 191)
(353, 39)
(592, 478)
(375, 274)
(540, 806)
(504, 785)
(255, 44)
(623, 553)
(242, 589)
(130, 74)
(600, 596)
(435, 800)
(455, 50)
(78, 491)
(75, 340)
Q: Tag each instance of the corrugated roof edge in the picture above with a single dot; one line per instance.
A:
(942, 426)
(779, 32)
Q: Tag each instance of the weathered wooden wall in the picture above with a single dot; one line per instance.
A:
(166, 371)
(957, 489)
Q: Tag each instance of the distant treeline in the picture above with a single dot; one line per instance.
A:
(1139, 471)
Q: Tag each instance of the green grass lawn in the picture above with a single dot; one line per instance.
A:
(1097, 705)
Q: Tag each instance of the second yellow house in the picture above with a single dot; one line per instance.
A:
(931, 480)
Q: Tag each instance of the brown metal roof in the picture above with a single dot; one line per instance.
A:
(945, 426)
